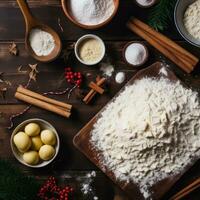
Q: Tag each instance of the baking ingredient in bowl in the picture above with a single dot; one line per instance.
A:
(120, 77)
(36, 143)
(91, 12)
(31, 157)
(90, 50)
(192, 19)
(22, 141)
(41, 42)
(48, 137)
(32, 129)
(33, 141)
(149, 132)
(145, 2)
(135, 54)
(46, 152)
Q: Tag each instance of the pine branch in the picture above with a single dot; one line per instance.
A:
(14, 185)
(161, 15)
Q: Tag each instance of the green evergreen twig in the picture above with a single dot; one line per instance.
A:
(14, 185)
(161, 15)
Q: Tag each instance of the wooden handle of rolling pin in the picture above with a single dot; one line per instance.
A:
(42, 104)
(30, 93)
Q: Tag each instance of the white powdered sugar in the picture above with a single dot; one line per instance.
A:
(86, 186)
(91, 12)
(107, 69)
(149, 132)
(41, 42)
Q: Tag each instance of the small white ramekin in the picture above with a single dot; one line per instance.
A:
(85, 37)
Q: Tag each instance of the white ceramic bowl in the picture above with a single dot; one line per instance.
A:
(85, 37)
(179, 12)
(43, 125)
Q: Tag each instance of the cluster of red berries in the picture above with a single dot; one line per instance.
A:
(50, 191)
(73, 77)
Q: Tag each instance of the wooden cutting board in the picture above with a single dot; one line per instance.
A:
(82, 141)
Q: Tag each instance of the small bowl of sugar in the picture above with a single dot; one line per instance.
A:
(90, 49)
(135, 54)
(89, 14)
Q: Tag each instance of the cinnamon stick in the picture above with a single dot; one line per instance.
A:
(172, 56)
(92, 92)
(164, 45)
(96, 88)
(42, 104)
(188, 189)
(30, 93)
(166, 41)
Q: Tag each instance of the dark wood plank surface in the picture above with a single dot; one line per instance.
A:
(71, 166)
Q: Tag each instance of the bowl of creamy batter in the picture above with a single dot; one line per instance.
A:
(186, 16)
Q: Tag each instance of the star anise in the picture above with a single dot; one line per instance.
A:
(13, 49)
(33, 73)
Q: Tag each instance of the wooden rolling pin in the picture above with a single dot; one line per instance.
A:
(184, 59)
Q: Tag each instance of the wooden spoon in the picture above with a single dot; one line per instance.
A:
(32, 23)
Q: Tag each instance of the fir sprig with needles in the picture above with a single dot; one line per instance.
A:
(162, 14)
(14, 185)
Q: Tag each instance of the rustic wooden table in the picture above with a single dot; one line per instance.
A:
(71, 166)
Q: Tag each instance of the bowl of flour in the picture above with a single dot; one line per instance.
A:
(90, 14)
(186, 16)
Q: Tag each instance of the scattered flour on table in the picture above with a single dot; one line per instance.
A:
(163, 71)
(86, 187)
(149, 132)
(107, 69)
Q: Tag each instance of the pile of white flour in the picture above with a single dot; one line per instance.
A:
(41, 42)
(150, 131)
(91, 12)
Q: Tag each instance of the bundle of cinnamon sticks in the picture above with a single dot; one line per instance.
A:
(184, 59)
(43, 102)
(95, 88)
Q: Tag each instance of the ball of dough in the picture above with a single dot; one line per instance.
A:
(36, 143)
(22, 141)
(48, 137)
(46, 152)
(31, 157)
(32, 129)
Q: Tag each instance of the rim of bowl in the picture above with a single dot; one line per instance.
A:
(178, 28)
(146, 49)
(148, 6)
(81, 39)
(89, 27)
(14, 149)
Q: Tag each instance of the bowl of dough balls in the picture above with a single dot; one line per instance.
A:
(35, 143)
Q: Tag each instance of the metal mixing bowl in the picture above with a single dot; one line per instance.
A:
(179, 11)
